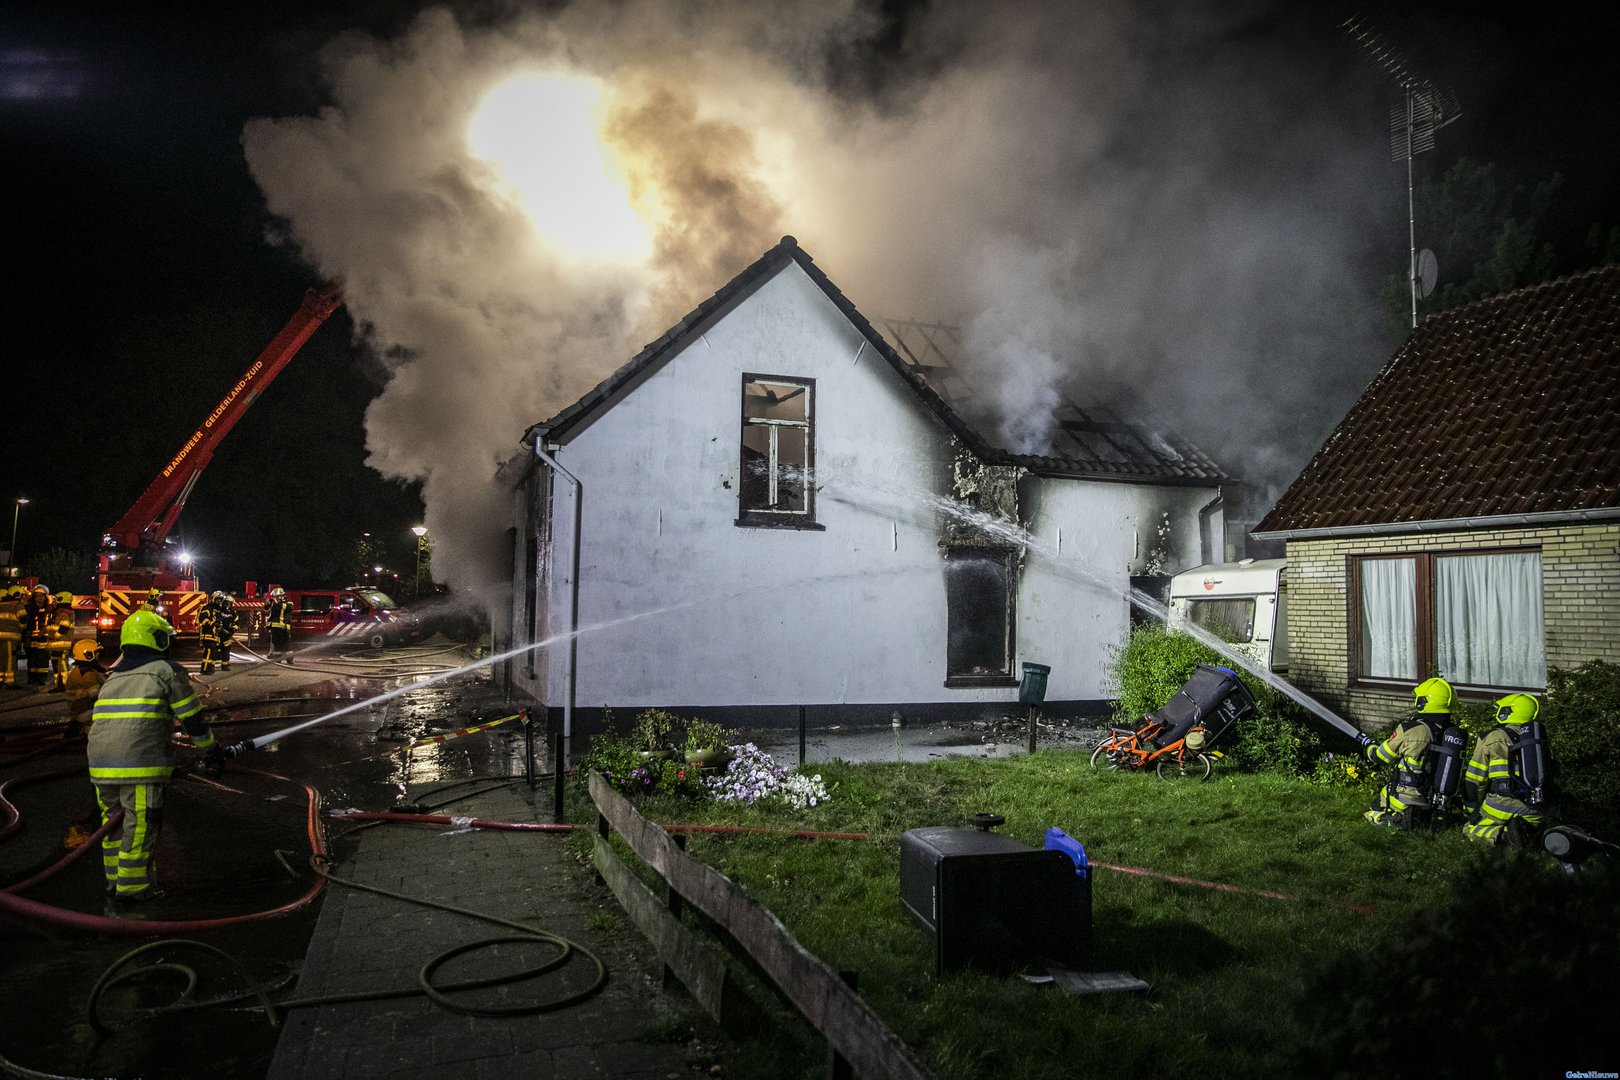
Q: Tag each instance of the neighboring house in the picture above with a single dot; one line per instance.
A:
(1464, 518)
(777, 510)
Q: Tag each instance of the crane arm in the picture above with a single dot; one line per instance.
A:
(147, 523)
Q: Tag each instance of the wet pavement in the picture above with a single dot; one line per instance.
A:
(218, 857)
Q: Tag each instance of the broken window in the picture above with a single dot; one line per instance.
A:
(979, 594)
(1476, 620)
(778, 451)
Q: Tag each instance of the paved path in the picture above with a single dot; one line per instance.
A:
(364, 941)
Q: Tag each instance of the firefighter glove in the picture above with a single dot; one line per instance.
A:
(213, 762)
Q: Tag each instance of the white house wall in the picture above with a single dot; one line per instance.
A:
(1087, 539)
(681, 607)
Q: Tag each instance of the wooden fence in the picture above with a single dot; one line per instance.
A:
(853, 1031)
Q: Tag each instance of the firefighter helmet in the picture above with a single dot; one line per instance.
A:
(85, 650)
(147, 628)
(278, 592)
(1433, 696)
(1516, 709)
(64, 597)
(43, 589)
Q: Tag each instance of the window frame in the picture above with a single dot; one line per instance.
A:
(762, 518)
(1424, 624)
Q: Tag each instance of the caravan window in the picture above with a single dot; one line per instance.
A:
(1230, 618)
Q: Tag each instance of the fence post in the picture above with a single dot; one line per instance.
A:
(675, 904)
(838, 1068)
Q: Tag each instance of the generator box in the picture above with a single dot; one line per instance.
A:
(986, 901)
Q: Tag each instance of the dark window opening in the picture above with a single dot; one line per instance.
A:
(979, 595)
(778, 452)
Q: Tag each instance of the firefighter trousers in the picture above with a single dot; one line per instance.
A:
(127, 857)
(9, 647)
(215, 652)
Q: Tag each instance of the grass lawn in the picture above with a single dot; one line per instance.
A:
(1242, 985)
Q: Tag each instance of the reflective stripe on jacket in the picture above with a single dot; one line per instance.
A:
(1408, 749)
(278, 613)
(1488, 768)
(134, 718)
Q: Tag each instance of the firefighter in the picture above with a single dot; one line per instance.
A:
(278, 616)
(1404, 802)
(39, 613)
(11, 634)
(59, 640)
(83, 684)
(1505, 782)
(226, 627)
(216, 629)
(130, 753)
(153, 601)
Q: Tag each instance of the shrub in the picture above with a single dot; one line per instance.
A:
(1155, 662)
(654, 728)
(705, 735)
(1581, 713)
(624, 768)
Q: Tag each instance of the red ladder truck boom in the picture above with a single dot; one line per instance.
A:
(133, 558)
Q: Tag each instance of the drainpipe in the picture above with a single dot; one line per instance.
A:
(1206, 539)
(538, 433)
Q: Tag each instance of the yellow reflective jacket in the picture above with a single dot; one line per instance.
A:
(134, 716)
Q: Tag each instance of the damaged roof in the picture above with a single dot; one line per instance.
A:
(1491, 411)
(1096, 444)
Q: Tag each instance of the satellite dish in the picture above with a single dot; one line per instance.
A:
(1428, 271)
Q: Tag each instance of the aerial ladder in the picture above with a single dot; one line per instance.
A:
(135, 554)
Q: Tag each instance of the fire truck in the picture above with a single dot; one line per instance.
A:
(136, 557)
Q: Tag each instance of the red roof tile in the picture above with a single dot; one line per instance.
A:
(1505, 406)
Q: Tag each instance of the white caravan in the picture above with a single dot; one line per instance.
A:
(1242, 602)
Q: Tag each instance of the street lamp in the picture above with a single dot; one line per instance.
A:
(421, 543)
(15, 511)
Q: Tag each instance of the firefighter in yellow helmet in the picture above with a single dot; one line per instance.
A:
(11, 634)
(1404, 802)
(83, 685)
(1507, 776)
(130, 753)
(60, 640)
(278, 617)
(37, 615)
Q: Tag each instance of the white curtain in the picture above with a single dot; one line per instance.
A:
(1389, 618)
(1487, 619)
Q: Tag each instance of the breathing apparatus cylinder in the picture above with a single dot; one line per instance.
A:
(1445, 764)
(1527, 759)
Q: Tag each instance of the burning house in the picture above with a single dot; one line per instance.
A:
(773, 507)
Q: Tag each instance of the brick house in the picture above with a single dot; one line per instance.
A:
(1464, 517)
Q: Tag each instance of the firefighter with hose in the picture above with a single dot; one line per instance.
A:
(130, 753)
(1424, 750)
(1505, 783)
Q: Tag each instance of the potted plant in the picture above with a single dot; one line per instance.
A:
(652, 734)
(707, 744)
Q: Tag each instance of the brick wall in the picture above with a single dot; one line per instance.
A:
(1580, 573)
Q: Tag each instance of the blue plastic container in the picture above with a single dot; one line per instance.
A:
(1058, 840)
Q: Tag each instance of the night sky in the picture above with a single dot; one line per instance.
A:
(142, 282)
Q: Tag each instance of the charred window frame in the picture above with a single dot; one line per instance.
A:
(776, 487)
(1383, 581)
(981, 590)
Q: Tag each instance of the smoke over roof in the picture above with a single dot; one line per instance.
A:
(1109, 199)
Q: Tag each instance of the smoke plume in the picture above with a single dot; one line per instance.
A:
(1110, 199)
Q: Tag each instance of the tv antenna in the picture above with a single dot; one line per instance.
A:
(1423, 110)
